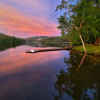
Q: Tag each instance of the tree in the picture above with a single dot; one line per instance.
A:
(80, 17)
(86, 18)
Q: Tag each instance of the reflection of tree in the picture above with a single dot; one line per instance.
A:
(83, 84)
(40, 44)
(4, 47)
(81, 61)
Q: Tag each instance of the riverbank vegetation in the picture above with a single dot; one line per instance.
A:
(91, 49)
(80, 21)
(10, 41)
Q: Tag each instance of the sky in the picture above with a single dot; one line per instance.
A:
(27, 18)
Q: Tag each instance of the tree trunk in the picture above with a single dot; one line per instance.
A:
(77, 29)
(81, 40)
(70, 44)
(81, 62)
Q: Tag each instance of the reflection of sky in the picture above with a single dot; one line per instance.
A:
(24, 18)
(29, 76)
(91, 93)
(18, 57)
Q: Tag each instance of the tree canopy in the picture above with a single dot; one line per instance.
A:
(80, 20)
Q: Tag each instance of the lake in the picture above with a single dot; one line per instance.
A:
(53, 75)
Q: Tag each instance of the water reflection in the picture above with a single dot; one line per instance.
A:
(7, 46)
(81, 84)
(40, 44)
(32, 76)
(29, 76)
(81, 61)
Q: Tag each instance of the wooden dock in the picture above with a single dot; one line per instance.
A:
(45, 50)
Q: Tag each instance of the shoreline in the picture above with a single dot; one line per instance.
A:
(91, 49)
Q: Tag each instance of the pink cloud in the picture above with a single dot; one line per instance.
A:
(14, 23)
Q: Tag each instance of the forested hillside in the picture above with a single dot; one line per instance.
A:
(35, 39)
(9, 41)
(47, 39)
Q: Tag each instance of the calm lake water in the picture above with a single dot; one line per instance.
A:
(53, 75)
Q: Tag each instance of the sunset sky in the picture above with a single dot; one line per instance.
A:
(26, 18)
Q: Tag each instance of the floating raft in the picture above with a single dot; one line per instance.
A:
(44, 50)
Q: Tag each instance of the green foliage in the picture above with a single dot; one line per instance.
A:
(90, 49)
(9, 41)
(76, 43)
(85, 15)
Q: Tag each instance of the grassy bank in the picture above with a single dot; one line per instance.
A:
(91, 49)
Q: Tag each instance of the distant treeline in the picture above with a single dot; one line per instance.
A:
(46, 39)
(9, 41)
(56, 41)
(35, 39)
